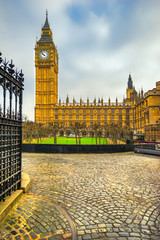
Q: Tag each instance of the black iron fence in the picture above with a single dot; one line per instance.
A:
(151, 146)
(11, 87)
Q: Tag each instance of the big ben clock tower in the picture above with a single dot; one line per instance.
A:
(46, 63)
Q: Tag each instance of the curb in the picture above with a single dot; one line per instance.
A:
(9, 203)
(147, 151)
(25, 182)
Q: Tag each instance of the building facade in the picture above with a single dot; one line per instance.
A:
(140, 112)
(147, 114)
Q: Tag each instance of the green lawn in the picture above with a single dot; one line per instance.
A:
(70, 140)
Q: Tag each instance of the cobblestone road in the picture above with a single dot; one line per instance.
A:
(107, 196)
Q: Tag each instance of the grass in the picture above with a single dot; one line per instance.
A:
(70, 140)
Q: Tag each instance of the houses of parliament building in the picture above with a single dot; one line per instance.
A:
(139, 111)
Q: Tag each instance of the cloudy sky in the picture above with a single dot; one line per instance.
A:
(99, 43)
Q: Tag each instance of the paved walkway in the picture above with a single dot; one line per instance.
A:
(88, 196)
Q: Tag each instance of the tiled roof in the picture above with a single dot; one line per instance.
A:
(45, 38)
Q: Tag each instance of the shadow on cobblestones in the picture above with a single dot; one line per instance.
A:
(38, 218)
(108, 196)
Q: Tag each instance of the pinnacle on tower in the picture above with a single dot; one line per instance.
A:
(109, 101)
(116, 101)
(130, 82)
(67, 99)
(80, 101)
(141, 92)
(46, 25)
(102, 101)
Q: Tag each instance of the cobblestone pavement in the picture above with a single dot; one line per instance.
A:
(107, 196)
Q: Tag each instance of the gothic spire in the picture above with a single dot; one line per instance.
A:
(46, 35)
(46, 25)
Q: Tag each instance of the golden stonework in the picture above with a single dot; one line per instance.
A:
(46, 63)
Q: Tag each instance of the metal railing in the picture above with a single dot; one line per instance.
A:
(11, 87)
(147, 146)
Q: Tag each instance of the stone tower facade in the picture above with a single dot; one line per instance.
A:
(46, 64)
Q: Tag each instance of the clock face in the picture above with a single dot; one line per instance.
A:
(43, 54)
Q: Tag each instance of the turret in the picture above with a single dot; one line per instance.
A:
(130, 92)
(158, 85)
(130, 82)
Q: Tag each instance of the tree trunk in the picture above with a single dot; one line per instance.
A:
(96, 140)
(30, 138)
(55, 139)
(76, 138)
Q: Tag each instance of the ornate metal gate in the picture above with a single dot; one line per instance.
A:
(11, 87)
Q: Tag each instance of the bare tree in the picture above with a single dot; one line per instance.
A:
(97, 129)
(54, 129)
(28, 131)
